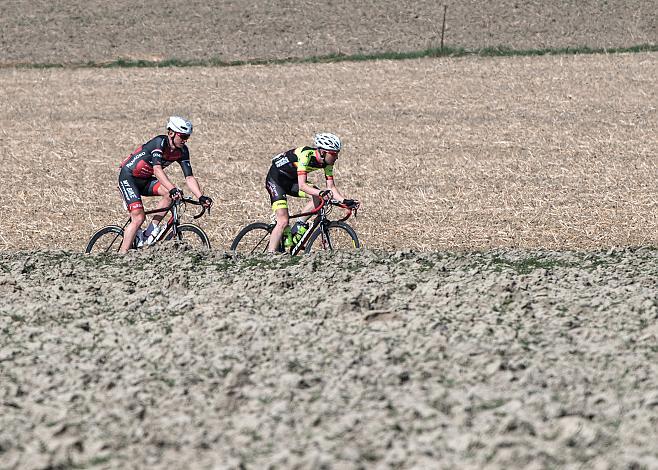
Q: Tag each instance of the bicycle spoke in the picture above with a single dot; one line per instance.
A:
(106, 240)
(260, 244)
(191, 236)
(252, 239)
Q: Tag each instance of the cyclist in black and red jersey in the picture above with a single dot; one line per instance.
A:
(288, 176)
(142, 174)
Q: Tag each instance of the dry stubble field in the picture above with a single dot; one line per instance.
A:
(553, 152)
(538, 352)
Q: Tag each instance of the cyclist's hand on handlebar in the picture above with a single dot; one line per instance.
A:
(326, 195)
(175, 194)
(351, 203)
(206, 201)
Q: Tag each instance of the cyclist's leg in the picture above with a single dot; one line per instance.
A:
(155, 188)
(136, 220)
(132, 200)
(279, 200)
(281, 215)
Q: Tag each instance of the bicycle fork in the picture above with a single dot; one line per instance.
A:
(324, 235)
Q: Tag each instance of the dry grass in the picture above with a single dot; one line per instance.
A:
(555, 152)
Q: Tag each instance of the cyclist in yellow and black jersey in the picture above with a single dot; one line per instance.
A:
(288, 176)
(301, 159)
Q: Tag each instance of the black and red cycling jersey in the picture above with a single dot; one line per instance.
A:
(156, 152)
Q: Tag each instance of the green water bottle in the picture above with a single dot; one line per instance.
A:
(287, 237)
(298, 231)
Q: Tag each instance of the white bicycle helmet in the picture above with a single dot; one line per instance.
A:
(327, 141)
(180, 125)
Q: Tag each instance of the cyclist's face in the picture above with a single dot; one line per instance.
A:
(330, 157)
(178, 139)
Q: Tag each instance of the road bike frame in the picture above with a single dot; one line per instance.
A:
(320, 222)
(174, 219)
(173, 228)
(255, 237)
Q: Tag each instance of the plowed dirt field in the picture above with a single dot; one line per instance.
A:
(175, 359)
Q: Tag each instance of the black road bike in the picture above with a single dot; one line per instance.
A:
(109, 239)
(323, 233)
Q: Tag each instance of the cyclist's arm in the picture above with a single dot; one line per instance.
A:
(159, 173)
(334, 190)
(331, 186)
(190, 180)
(193, 184)
(304, 186)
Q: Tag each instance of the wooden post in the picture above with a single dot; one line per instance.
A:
(443, 27)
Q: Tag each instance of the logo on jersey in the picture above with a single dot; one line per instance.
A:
(280, 160)
(135, 205)
(127, 191)
(134, 159)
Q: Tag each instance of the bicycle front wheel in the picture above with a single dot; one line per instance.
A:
(106, 240)
(338, 236)
(253, 239)
(192, 236)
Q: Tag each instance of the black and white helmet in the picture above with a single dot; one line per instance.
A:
(180, 125)
(327, 141)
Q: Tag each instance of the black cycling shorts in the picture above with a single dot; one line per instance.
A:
(132, 189)
(280, 187)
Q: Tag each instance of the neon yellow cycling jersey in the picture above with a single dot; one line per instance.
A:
(299, 161)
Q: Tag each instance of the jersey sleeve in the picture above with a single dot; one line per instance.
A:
(303, 160)
(185, 164)
(156, 153)
(329, 172)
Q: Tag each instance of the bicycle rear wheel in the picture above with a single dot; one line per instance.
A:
(253, 239)
(192, 236)
(106, 240)
(339, 236)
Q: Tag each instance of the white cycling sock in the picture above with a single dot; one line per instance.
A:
(149, 229)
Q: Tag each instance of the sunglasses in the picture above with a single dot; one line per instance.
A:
(183, 136)
(332, 153)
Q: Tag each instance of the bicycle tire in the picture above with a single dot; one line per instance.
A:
(115, 240)
(253, 239)
(185, 232)
(335, 242)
